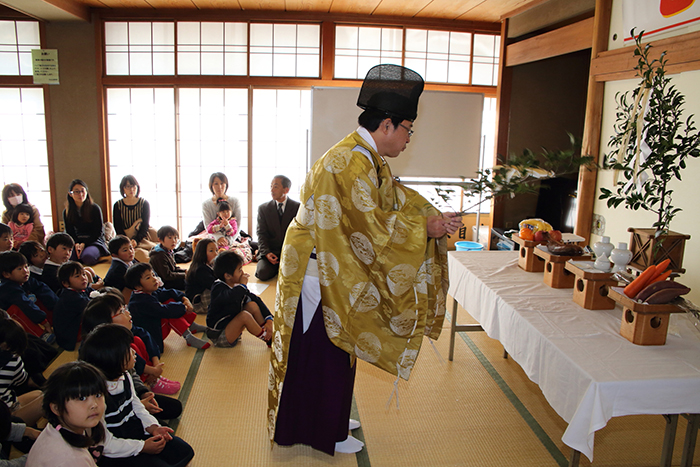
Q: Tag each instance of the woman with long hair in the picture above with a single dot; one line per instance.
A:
(83, 222)
(131, 216)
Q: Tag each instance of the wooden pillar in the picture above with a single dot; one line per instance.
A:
(587, 192)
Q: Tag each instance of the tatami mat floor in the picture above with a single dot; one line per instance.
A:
(480, 410)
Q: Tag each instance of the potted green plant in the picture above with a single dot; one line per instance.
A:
(649, 148)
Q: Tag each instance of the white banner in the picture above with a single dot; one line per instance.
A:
(655, 16)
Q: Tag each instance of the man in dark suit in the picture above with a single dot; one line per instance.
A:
(273, 219)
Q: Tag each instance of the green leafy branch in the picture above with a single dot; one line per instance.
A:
(518, 175)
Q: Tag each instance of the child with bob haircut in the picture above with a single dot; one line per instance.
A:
(74, 404)
(5, 237)
(108, 307)
(21, 224)
(19, 302)
(162, 259)
(233, 307)
(200, 275)
(224, 226)
(138, 438)
(75, 296)
(159, 310)
(36, 257)
(122, 251)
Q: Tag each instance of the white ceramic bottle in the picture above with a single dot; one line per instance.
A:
(621, 257)
(602, 251)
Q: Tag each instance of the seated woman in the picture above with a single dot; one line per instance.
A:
(83, 220)
(131, 216)
(14, 195)
(218, 184)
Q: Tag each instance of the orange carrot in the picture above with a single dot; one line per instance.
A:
(637, 285)
(662, 277)
(658, 269)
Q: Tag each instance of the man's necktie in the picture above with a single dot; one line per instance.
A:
(279, 209)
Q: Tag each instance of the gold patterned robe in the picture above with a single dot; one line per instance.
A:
(383, 282)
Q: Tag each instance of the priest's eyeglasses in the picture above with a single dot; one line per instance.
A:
(410, 132)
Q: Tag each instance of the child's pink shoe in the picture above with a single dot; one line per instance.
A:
(165, 387)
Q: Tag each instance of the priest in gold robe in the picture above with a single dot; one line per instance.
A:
(363, 272)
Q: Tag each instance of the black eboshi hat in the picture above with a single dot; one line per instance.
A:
(392, 89)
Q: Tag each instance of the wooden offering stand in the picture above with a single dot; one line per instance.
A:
(555, 274)
(527, 259)
(643, 324)
(591, 286)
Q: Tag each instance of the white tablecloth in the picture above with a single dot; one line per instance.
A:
(586, 370)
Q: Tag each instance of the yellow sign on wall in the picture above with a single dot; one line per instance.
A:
(45, 66)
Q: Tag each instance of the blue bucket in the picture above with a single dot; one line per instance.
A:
(468, 246)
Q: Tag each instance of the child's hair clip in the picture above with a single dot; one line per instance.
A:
(95, 294)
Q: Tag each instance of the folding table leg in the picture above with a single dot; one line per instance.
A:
(669, 439)
(453, 328)
(691, 435)
(574, 458)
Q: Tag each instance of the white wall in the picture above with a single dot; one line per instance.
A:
(686, 193)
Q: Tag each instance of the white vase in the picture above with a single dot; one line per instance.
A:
(621, 257)
(602, 251)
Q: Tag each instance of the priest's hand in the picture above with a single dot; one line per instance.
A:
(447, 223)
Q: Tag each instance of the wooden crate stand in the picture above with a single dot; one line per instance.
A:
(591, 287)
(527, 260)
(647, 249)
(555, 274)
(643, 324)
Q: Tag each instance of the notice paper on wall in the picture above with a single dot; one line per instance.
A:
(45, 66)
(657, 16)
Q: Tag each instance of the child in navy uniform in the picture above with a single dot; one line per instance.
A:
(200, 275)
(36, 256)
(68, 314)
(59, 247)
(122, 252)
(159, 310)
(233, 307)
(6, 241)
(163, 261)
(15, 299)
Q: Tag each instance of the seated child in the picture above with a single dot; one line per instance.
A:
(21, 224)
(68, 314)
(74, 404)
(59, 247)
(233, 307)
(200, 275)
(122, 251)
(163, 261)
(5, 237)
(224, 226)
(109, 307)
(158, 310)
(13, 342)
(136, 433)
(17, 301)
(14, 432)
(36, 256)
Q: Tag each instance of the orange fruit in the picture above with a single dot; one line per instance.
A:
(526, 234)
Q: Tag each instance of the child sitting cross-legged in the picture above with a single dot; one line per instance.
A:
(36, 256)
(138, 438)
(122, 251)
(22, 297)
(108, 307)
(159, 310)
(233, 307)
(68, 314)
(162, 259)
